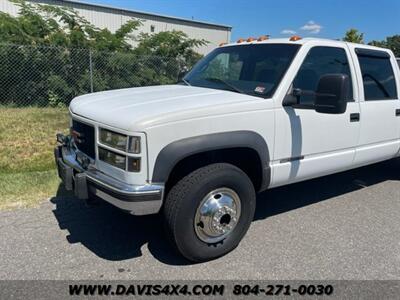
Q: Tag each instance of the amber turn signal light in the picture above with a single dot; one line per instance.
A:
(263, 38)
(295, 38)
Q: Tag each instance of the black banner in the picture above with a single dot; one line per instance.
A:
(239, 289)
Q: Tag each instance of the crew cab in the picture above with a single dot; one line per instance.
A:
(250, 116)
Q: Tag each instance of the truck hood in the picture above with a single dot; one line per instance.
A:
(135, 109)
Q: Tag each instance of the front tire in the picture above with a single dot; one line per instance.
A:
(208, 212)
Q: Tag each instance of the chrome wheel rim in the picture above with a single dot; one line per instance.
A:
(217, 215)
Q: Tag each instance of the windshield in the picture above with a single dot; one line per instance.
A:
(250, 69)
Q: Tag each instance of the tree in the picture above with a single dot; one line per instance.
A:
(170, 44)
(391, 42)
(354, 36)
(47, 25)
(53, 65)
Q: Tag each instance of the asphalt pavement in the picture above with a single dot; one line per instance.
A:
(343, 226)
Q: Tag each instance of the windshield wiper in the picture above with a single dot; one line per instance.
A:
(231, 86)
(186, 82)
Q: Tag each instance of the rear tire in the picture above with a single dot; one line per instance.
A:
(221, 190)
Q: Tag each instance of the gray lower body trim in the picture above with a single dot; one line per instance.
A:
(290, 159)
(137, 208)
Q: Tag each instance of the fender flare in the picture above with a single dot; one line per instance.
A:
(174, 152)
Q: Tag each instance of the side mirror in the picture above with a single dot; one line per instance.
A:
(332, 93)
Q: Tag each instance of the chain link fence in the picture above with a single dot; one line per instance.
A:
(53, 76)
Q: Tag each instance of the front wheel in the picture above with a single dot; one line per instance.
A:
(208, 212)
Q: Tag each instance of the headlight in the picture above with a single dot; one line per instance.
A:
(120, 141)
(112, 158)
(113, 139)
(119, 161)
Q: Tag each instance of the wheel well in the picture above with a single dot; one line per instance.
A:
(245, 159)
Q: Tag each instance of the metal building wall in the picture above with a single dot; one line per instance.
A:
(8, 7)
(111, 18)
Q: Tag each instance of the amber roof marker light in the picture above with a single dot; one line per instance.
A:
(223, 44)
(250, 39)
(263, 38)
(295, 38)
(240, 41)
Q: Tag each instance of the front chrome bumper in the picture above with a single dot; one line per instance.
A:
(135, 199)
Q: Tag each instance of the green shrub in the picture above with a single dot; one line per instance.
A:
(47, 63)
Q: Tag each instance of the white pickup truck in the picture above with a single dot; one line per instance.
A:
(250, 116)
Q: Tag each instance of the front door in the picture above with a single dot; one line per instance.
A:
(310, 144)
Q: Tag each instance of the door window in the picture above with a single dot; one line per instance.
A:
(321, 61)
(377, 74)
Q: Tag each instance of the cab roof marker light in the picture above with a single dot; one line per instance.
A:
(240, 41)
(250, 39)
(222, 44)
(263, 38)
(295, 38)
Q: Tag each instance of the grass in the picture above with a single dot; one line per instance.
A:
(27, 140)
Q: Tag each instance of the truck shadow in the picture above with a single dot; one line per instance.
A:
(283, 199)
(110, 233)
(116, 236)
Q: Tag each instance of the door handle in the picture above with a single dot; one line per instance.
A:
(398, 112)
(355, 117)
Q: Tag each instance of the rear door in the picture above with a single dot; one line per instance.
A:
(379, 105)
